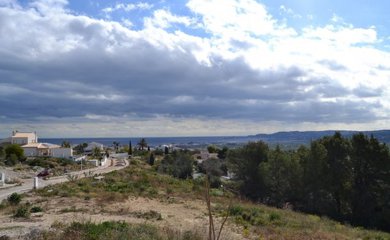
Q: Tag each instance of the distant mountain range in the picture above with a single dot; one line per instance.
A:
(297, 137)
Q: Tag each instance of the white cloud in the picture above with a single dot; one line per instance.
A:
(229, 17)
(289, 12)
(164, 19)
(128, 7)
(246, 73)
(49, 7)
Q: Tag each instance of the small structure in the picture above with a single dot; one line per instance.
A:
(79, 158)
(23, 138)
(92, 146)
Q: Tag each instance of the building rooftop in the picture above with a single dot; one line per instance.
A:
(41, 145)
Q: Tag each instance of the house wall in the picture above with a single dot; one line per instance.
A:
(30, 138)
(104, 161)
(20, 140)
(30, 152)
(62, 152)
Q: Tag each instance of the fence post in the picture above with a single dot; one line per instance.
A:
(36, 182)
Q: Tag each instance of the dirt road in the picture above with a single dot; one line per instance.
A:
(28, 184)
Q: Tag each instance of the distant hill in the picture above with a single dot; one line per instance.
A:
(295, 138)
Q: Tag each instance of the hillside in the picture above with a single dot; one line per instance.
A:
(304, 137)
(149, 205)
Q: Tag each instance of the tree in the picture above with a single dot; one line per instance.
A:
(371, 182)
(339, 172)
(116, 145)
(178, 164)
(142, 144)
(214, 169)
(281, 174)
(14, 149)
(244, 162)
(166, 150)
(314, 175)
(222, 153)
(2, 153)
(130, 149)
(212, 149)
(96, 152)
(80, 148)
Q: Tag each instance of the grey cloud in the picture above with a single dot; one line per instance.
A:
(333, 65)
(367, 92)
(109, 70)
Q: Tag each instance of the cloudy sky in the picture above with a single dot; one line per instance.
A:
(193, 67)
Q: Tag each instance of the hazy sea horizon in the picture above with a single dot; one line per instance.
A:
(285, 139)
(157, 141)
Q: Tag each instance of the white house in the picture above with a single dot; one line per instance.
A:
(62, 152)
(39, 149)
(46, 149)
(92, 146)
(23, 138)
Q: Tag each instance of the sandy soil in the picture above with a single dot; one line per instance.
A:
(177, 214)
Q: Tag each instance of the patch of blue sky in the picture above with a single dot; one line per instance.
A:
(88, 8)
(359, 13)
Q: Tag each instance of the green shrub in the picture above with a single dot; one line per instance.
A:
(14, 199)
(189, 235)
(36, 209)
(22, 212)
(111, 230)
(235, 210)
(274, 216)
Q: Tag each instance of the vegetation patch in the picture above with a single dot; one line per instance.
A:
(22, 212)
(112, 230)
(73, 209)
(14, 198)
(36, 209)
(149, 215)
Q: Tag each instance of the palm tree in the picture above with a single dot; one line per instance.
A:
(116, 145)
(142, 143)
(65, 144)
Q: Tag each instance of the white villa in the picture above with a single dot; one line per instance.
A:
(23, 138)
(47, 149)
(32, 148)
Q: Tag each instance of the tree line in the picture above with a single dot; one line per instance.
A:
(347, 179)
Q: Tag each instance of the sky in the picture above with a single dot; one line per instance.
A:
(90, 68)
